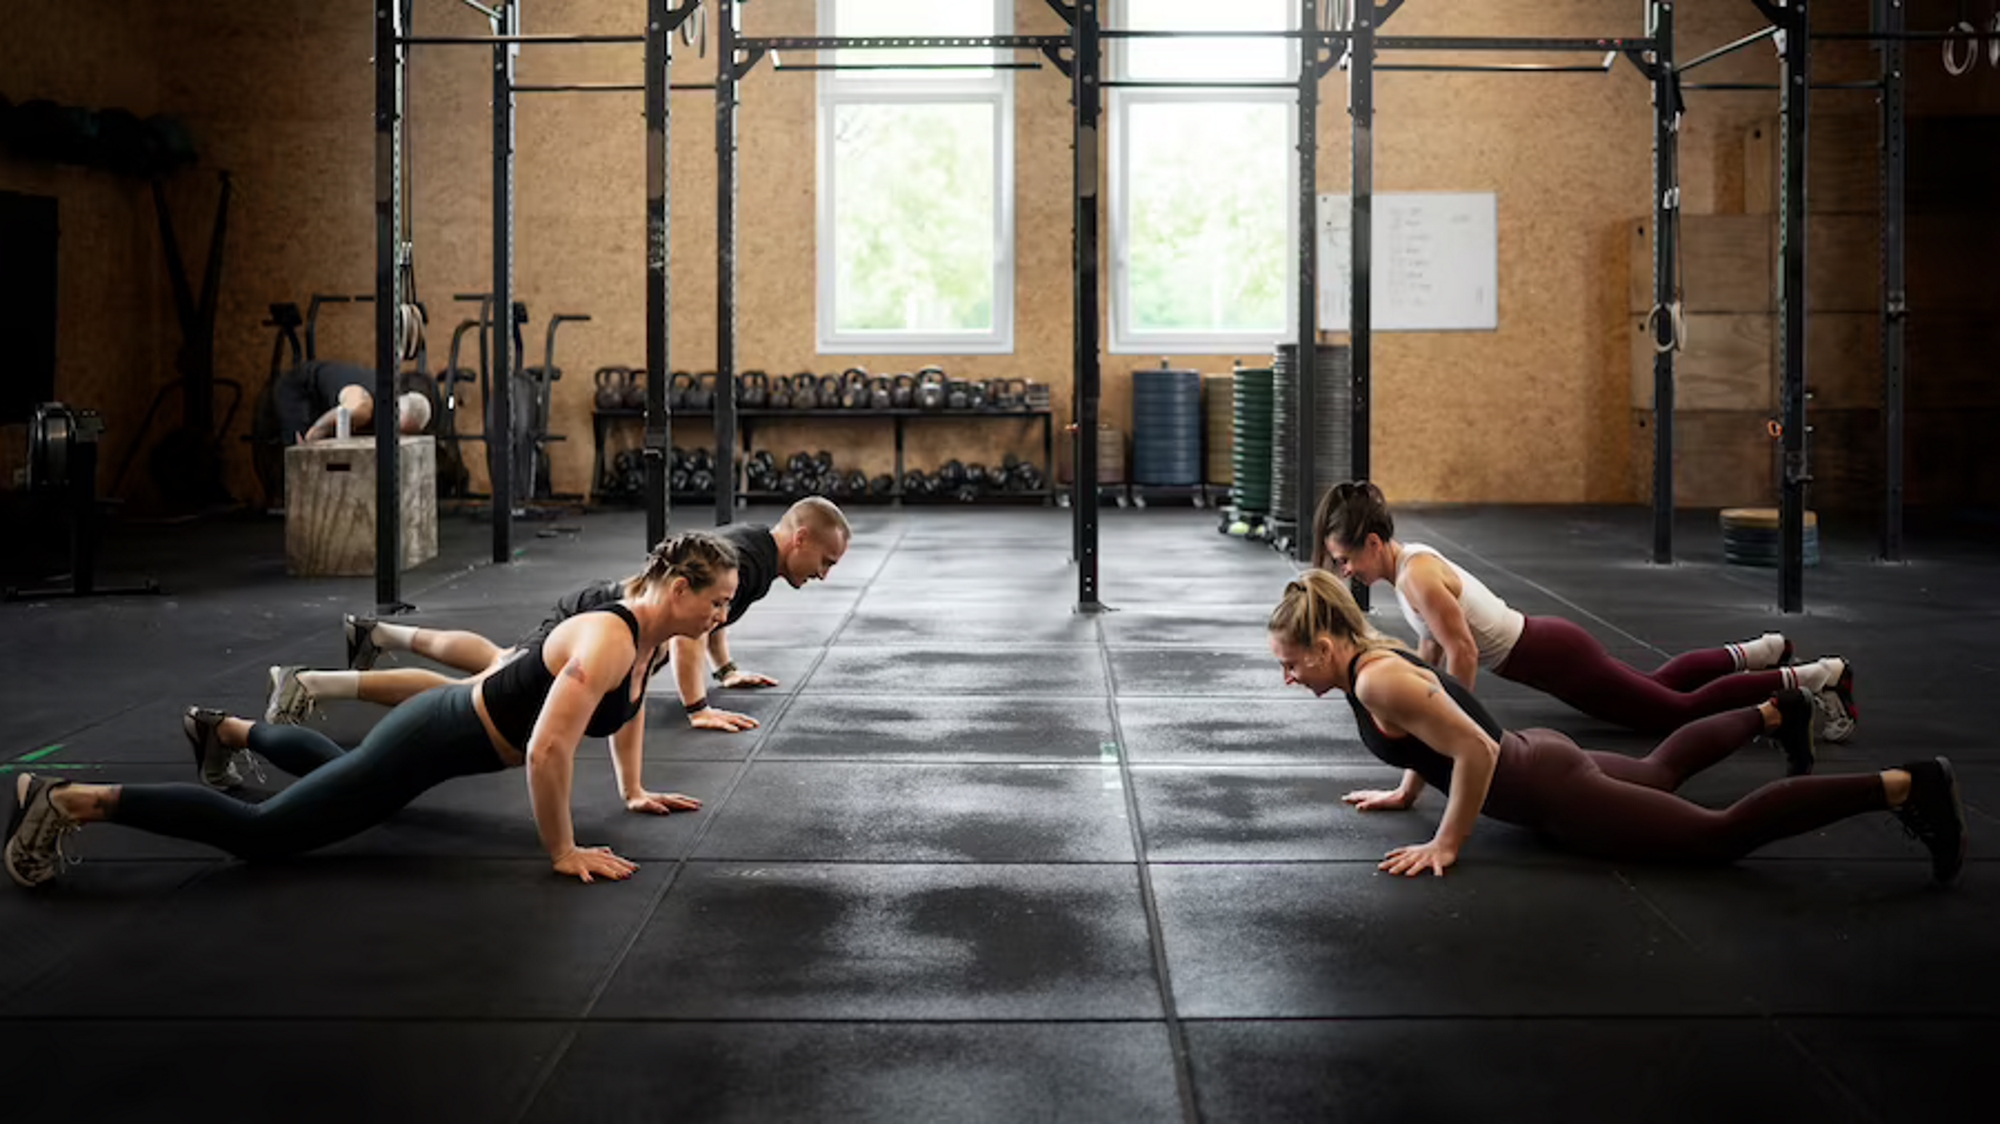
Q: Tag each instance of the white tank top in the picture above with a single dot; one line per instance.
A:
(1494, 624)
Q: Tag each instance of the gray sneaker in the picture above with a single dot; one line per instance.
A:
(291, 704)
(216, 761)
(361, 647)
(1838, 712)
(35, 832)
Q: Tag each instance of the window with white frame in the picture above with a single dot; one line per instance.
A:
(915, 178)
(1204, 182)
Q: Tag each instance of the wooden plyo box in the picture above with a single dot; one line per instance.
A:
(330, 506)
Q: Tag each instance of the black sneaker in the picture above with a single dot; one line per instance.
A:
(1935, 815)
(361, 649)
(216, 762)
(1796, 711)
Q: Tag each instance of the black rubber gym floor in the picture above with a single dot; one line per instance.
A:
(919, 892)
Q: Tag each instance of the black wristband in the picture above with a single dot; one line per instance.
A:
(697, 706)
(722, 672)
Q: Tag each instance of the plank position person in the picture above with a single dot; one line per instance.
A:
(310, 395)
(1602, 804)
(807, 542)
(587, 677)
(1462, 626)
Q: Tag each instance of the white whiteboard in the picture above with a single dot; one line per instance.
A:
(1435, 262)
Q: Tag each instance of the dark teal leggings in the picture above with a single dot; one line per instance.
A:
(421, 744)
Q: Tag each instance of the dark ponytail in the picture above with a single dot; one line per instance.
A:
(1349, 512)
(698, 556)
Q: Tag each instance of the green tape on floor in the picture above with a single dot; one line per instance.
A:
(37, 755)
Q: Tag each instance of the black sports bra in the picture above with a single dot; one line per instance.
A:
(1408, 751)
(515, 693)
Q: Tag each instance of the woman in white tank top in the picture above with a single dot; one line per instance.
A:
(1462, 626)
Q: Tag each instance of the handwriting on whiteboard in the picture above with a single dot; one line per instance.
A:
(1434, 262)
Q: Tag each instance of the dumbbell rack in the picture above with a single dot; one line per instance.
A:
(602, 420)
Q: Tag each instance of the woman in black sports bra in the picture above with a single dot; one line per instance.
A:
(1605, 804)
(587, 678)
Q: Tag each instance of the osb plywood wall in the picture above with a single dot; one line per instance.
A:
(112, 306)
(281, 93)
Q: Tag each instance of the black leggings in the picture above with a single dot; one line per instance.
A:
(1618, 807)
(421, 744)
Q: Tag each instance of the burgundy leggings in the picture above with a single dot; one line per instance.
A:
(1558, 658)
(1617, 807)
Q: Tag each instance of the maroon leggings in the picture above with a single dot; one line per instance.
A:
(1617, 807)
(1558, 658)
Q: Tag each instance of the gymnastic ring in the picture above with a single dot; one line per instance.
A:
(1774, 428)
(410, 330)
(1951, 64)
(1993, 40)
(1677, 322)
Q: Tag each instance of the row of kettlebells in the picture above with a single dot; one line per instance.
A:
(623, 388)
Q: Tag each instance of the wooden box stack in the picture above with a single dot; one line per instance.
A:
(1726, 376)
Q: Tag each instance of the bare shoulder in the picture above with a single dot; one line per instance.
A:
(1428, 575)
(599, 641)
(1386, 679)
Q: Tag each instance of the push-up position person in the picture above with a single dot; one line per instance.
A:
(809, 539)
(587, 678)
(1602, 804)
(310, 395)
(1462, 626)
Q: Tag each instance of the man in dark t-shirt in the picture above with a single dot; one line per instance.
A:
(308, 398)
(806, 543)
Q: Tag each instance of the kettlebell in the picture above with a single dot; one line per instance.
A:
(830, 392)
(701, 394)
(902, 395)
(610, 396)
(879, 397)
(915, 483)
(930, 388)
(1014, 394)
(781, 393)
(883, 485)
(975, 396)
(854, 389)
(634, 387)
(677, 391)
(753, 390)
(955, 397)
(805, 391)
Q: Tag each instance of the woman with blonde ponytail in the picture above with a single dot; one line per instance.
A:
(1605, 804)
(586, 677)
(1462, 627)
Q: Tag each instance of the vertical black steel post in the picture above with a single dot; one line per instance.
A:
(1305, 400)
(500, 413)
(725, 262)
(390, 26)
(1794, 100)
(1361, 233)
(659, 53)
(1666, 232)
(1087, 96)
(1889, 21)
